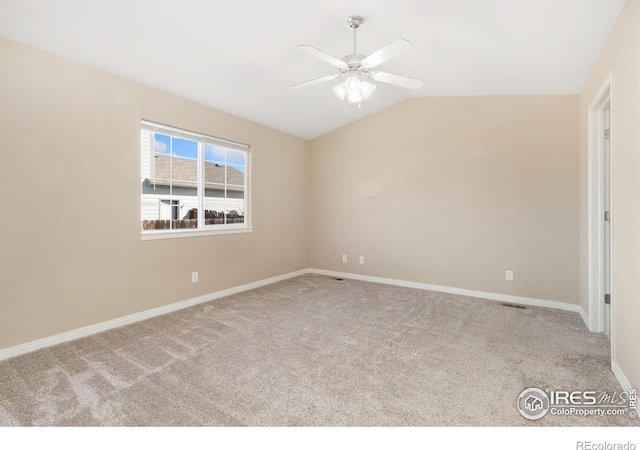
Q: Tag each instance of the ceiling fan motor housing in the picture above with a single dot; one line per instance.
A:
(354, 63)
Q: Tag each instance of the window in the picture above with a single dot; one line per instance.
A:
(192, 184)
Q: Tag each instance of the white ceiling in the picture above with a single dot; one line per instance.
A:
(240, 56)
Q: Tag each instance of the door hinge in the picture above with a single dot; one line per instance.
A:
(606, 134)
(606, 216)
(607, 299)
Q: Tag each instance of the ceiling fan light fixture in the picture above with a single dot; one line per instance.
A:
(354, 90)
(352, 85)
(355, 97)
(340, 91)
(367, 88)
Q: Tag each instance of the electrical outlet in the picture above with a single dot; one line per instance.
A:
(194, 277)
(362, 260)
(508, 275)
(344, 258)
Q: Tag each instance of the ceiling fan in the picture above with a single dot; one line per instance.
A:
(357, 68)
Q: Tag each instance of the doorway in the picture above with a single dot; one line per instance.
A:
(606, 203)
(601, 214)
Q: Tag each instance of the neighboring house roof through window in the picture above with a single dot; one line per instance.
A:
(183, 173)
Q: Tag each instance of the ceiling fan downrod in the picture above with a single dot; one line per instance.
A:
(354, 22)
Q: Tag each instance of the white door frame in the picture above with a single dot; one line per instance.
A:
(602, 100)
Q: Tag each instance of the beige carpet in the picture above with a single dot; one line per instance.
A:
(314, 351)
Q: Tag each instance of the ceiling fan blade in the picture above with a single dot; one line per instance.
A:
(398, 80)
(322, 55)
(397, 47)
(314, 81)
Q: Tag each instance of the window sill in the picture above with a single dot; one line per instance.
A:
(153, 235)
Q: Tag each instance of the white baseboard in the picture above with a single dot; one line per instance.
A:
(126, 320)
(585, 317)
(451, 290)
(115, 323)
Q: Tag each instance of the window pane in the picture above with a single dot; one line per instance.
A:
(214, 206)
(224, 194)
(162, 144)
(171, 195)
(184, 172)
(214, 182)
(236, 158)
(214, 154)
(170, 185)
(234, 176)
(184, 148)
(146, 157)
(235, 170)
(235, 204)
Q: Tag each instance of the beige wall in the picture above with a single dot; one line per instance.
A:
(70, 141)
(621, 54)
(453, 192)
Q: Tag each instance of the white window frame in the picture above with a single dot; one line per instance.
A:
(202, 230)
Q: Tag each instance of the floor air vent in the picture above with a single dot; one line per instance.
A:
(513, 305)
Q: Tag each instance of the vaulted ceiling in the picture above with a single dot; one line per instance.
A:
(240, 56)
